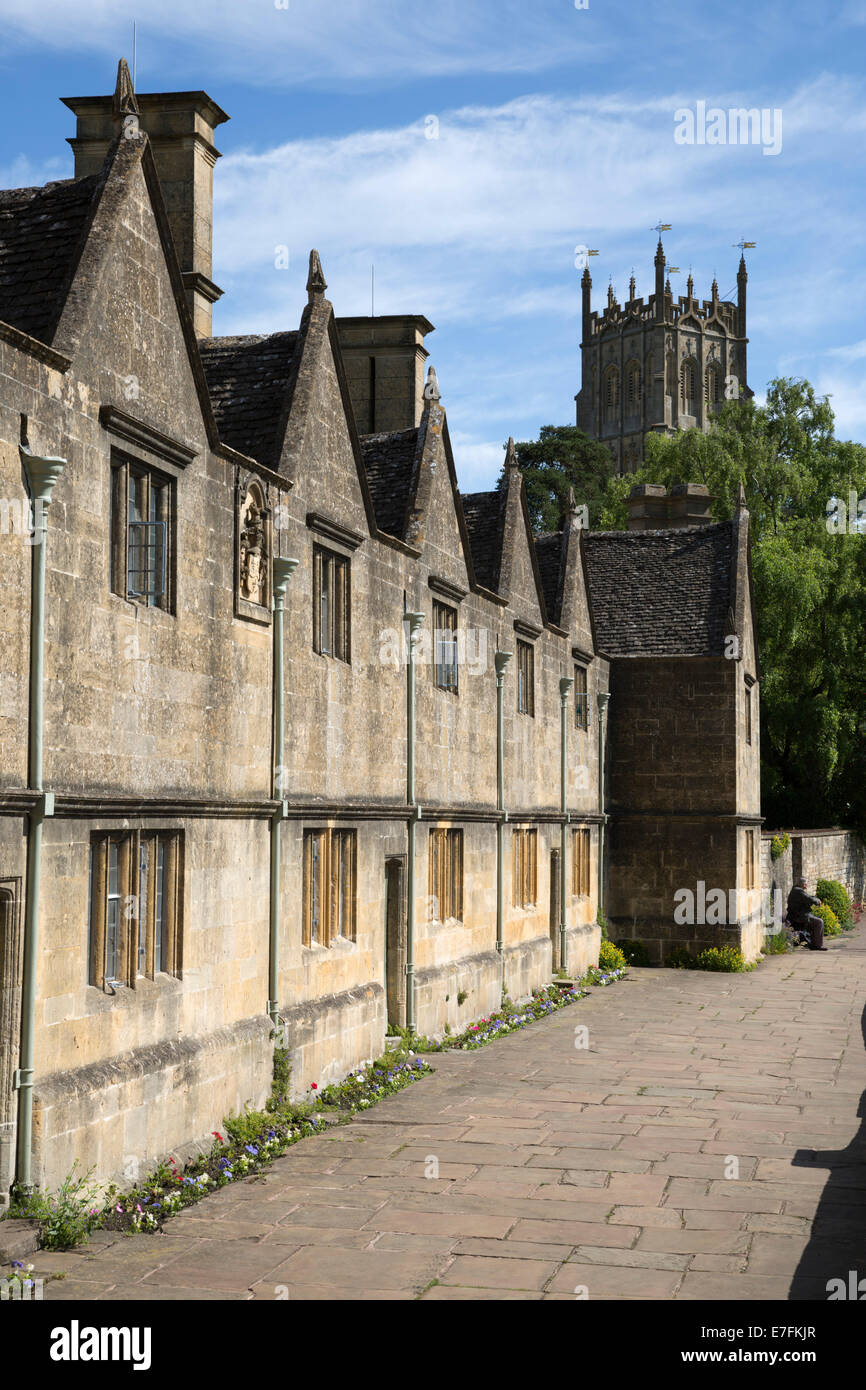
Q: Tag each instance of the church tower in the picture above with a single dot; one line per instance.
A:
(660, 364)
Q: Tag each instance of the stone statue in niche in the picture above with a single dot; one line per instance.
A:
(253, 547)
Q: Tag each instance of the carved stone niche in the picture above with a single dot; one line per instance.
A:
(253, 549)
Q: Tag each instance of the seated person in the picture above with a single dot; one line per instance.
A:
(799, 902)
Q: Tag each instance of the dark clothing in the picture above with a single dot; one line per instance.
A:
(799, 902)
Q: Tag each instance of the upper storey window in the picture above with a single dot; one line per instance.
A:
(445, 646)
(331, 603)
(141, 534)
(689, 388)
(632, 389)
(525, 678)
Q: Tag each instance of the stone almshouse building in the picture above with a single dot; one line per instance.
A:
(662, 364)
(194, 849)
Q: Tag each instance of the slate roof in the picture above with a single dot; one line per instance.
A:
(549, 551)
(388, 461)
(485, 522)
(660, 593)
(247, 378)
(41, 233)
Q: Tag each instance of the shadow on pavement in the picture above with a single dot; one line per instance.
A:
(837, 1245)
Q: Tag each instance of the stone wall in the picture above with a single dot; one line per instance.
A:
(813, 854)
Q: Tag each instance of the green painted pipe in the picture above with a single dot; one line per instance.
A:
(602, 698)
(42, 474)
(414, 620)
(283, 569)
(500, 663)
(565, 685)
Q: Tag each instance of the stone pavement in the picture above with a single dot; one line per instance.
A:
(534, 1169)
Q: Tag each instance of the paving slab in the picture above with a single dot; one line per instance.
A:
(562, 1176)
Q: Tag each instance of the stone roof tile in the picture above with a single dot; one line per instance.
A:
(247, 378)
(388, 461)
(41, 232)
(660, 593)
(484, 513)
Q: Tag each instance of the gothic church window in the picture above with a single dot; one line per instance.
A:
(713, 386)
(689, 387)
(610, 393)
(580, 846)
(632, 389)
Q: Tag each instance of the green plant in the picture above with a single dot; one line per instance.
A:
(66, 1217)
(680, 958)
(462, 996)
(726, 958)
(610, 957)
(775, 942)
(832, 926)
(835, 895)
(635, 952)
(602, 922)
(778, 845)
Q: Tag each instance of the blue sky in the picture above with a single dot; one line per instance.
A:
(554, 129)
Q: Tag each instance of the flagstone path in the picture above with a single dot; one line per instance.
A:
(708, 1143)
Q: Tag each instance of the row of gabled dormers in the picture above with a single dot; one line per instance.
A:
(260, 402)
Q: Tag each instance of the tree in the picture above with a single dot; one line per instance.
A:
(810, 586)
(562, 457)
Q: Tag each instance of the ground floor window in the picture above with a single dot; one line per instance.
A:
(524, 868)
(751, 873)
(580, 845)
(445, 884)
(330, 886)
(135, 906)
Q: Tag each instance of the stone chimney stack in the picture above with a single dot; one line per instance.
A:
(652, 508)
(648, 508)
(385, 358)
(180, 127)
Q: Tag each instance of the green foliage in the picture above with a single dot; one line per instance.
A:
(835, 895)
(68, 1216)
(832, 925)
(610, 957)
(725, 958)
(602, 922)
(775, 943)
(810, 585)
(779, 845)
(680, 958)
(562, 458)
(635, 952)
(462, 996)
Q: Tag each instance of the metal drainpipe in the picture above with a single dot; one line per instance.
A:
(414, 620)
(602, 698)
(500, 663)
(283, 569)
(42, 474)
(565, 685)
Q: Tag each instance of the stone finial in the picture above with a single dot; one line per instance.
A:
(611, 296)
(510, 454)
(741, 498)
(690, 286)
(631, 287)
(431, 385)
(316, 282)
(668, 289)
(586, 279)
(660, 253)
(125, 103)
